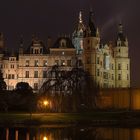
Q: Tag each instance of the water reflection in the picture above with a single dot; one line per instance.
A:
(69, 133)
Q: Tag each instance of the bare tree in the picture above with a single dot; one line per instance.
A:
(72, 90)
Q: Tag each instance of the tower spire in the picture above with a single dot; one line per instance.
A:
(80, 17)
(120, 28)
(91, 23)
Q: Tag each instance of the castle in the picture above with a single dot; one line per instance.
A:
(108, 65)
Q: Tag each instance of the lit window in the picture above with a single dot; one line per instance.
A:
(36, 63)
(45, 63)
(56, 62)
(62, 62)
(27, 63)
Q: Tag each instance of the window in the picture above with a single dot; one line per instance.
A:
(68, 62)
(88, 60)
(98, 60)
(80, 63)
(112, 67)
(106, 61)
(127, 77)
(127, 66)
(27, 63)
(56, 62)
(45, 63)
(35, 86)
(36, 63)
(41, 50)
(62, 62)
(35, 74)
(98, 72)
(36, 51)
(1, 66)
(63, 43)
(12, 59)
(119, 66)
(105, 75)
(27, 74)
(119, 77)
(11, 76)
(12, 66)
(112, 76)
(44, 74)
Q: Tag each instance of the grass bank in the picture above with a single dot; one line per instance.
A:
(94, 118)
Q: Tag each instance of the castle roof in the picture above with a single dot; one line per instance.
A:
(63, 42)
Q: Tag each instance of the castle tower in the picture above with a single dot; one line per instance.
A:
(122, 60)
(78, 35)
(91, 45)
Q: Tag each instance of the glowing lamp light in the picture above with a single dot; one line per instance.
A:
(45, 138)
(45, 102)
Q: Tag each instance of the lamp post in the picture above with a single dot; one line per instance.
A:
(45, 103)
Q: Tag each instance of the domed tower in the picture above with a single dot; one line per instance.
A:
(122, 60)
(91, 45)
(78, 35)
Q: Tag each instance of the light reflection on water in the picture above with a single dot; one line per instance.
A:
(69, 133)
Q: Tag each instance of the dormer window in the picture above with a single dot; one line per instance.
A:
(36, 51)
(63, 43)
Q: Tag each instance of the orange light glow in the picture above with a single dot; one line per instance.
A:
(45, 138)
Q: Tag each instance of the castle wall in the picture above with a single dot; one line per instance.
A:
(128, 99)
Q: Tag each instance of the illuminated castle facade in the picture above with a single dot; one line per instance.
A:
(108, 65)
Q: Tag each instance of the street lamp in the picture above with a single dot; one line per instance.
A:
(45, 138)
(46, 103)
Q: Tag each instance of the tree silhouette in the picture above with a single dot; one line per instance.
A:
(2, 82)
(72, 90)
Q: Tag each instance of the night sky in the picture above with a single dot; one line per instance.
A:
(56, 17)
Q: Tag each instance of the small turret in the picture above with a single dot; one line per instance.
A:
(120, 37)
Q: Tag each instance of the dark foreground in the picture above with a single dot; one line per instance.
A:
(119, 118)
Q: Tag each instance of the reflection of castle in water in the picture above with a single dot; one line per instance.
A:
(69, 133)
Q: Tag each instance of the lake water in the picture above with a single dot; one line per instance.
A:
(69, 133)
